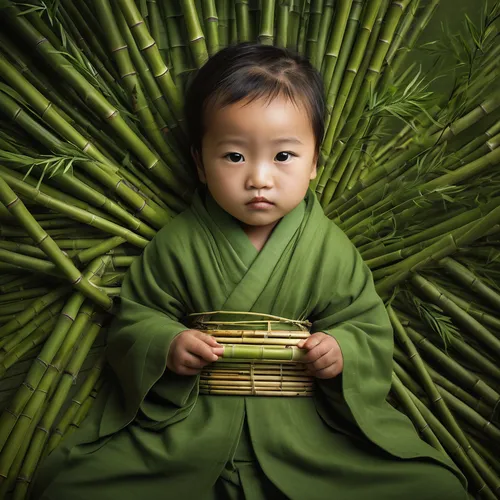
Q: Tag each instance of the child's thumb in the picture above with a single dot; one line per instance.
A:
(301, 343)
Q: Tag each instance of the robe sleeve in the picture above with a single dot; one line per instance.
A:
(148, 319)
(355, 315)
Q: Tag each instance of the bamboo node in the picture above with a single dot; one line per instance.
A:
(44, 237)
(77, 280)
(138, 211)
(43, 363)
(13, 203)
(138, 23)
(162, 74)
(42, 40)
(112, 114)
(15, 415)
(43, 429)
(117, 49)
(45, 110)
(154, 164)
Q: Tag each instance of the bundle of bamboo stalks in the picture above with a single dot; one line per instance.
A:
(260, 361)
(93, 162)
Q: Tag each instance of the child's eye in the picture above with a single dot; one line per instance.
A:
(285, 153)
(235, 157)
(232, 156)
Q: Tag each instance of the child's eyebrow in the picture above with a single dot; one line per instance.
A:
(292, 140)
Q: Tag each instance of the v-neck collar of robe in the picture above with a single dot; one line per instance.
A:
(239, 240)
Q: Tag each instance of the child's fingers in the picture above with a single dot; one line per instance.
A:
(312, 341)
(217, 348)
(204, 351)
(316, 352)
(193, 362)
(211, 341)
(330, 371)
(324, 361)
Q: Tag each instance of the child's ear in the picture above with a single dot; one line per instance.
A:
(199, 165)
(314, 167)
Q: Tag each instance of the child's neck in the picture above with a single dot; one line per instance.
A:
(258, 235)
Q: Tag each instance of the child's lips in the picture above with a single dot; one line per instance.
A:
(260, 205)
(257, 199)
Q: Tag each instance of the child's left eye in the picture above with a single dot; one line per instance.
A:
(285, 153)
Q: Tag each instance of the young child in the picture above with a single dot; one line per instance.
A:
(254, 239)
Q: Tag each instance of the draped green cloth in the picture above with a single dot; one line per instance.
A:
(150, 433)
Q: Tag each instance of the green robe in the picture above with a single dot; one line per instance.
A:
(151, 434)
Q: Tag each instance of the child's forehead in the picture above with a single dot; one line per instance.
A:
(256, 100)
(239, 117)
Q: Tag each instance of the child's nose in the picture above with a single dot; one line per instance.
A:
(260, 177)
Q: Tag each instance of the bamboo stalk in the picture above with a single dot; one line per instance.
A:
(282, 25)
(266, 29)
(437, 251)
(483, 408)
(133, 85)
(287, 353)
(23, 346)
(470, 281)
(304, 26)
(91, 383)
(484, 364)
(438, 402)
(260, 334)
(9, 416)
(148, 46)
(63, 264)
(411, 410)
(335, 42)
(470, 308)
(353, 65)
(455, 450)
(259, 385)
(69, 375)
(259, 392)
(43, 392)
(11, 179)
(387, 32)
(216, 376)
(45, 316)
(377, 177)
(459, 315)
(261, 367)
(98, 103)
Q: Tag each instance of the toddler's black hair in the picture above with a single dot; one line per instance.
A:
(252, 70)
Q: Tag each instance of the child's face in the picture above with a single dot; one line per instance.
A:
(242, 158)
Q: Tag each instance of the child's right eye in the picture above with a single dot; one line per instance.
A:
(229, 155)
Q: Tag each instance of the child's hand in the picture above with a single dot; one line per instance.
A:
(324, 359)
(192, 350)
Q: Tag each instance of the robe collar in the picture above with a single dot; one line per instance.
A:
(279, 238)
